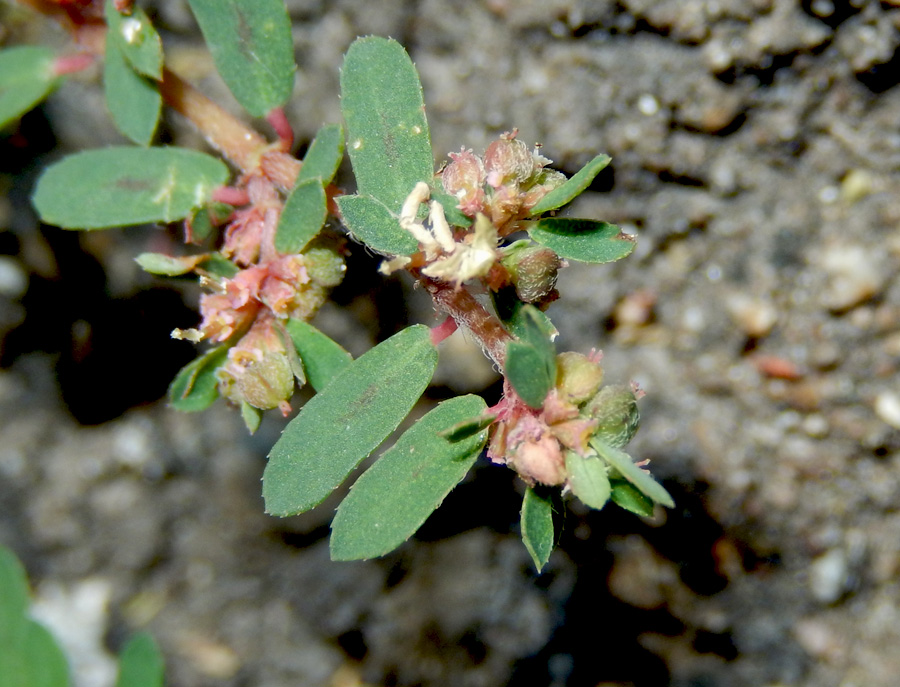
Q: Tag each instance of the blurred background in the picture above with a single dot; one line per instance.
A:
(756, 156)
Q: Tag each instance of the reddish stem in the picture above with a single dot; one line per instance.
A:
(72, 63)
(231, 196)
(469, 313)
(443, 330)
(279, 122)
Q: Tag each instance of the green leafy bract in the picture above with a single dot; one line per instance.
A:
(641, 480)
(133, 100)
(26, 77)
(137, 40)
(582, 239)
(195, 387)
(537, 526)
(140, 663)
(588, 479)
(370, 221)
(324, 155)
(397, 494)
(387, 133)
(120, 186)
(347, 420)
(322, 357)
(168, 265)
(29, 656)
(302, 217)
(626, 496)
(251, 44)
(531, 361)
(572, 188)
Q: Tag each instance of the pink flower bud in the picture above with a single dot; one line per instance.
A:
(508, 161)
(258, 370)
(540, 461)
(464, 180)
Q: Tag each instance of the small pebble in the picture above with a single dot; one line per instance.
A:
(828, 576)
(754, 316)
(887, 407)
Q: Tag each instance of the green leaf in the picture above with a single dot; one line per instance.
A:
(324, 155)
(29, 655)
(40, 661)
(510, 310)
(252, 47)
(582, 239)
(526, 370)
(195, 387)
(218, 265)
(453, 214)
(347, 420)
(140, 663)
(119, 186)
(137, 39)
(167, 265)
(626, 496)
(322, 357)
(387, 133)
(13, 590)
(251, 416)
(302, 217)
(531, 362)
(537, 526)
(588, 479)
(468, 427)
(641, 480)
(572, 188)
(397, 494)
(133, 100)
(26, 78)
(371, 222)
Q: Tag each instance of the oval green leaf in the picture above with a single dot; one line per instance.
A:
(371, 222)
(526, 369)
(537, 527)
(347, 420)
(137, 40)
(322, 357)
(626, 496)
(588, 479)
(572, 188)
(167, 265)
(582, 239)
(140, 663)
(251, 45)
(13, 589)
(387, 133)
(641, 480)
(26, 77)
(324, 155)
(302, 217)
(531, 362)
(195, 387)
(120, 186)
(396, 495)
(133, 100)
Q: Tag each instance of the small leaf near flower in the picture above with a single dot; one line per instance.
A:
(572, 188)
(582, 239)
(537, 525)
(640, 479)
(588, 479)
(196, 387)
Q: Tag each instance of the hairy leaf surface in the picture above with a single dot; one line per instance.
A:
(397, 494)
(347, 420)
(120, 186)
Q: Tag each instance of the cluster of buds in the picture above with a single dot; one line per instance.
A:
(503, 184)
(247, 310)
(534, 441)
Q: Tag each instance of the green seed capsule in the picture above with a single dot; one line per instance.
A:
(616, 411)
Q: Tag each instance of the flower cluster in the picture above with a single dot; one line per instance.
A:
(503, 184)
(247, 310)
(534, 441)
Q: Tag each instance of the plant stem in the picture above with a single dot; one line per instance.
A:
(469, 313)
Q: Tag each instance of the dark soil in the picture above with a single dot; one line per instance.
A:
(756, 156)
